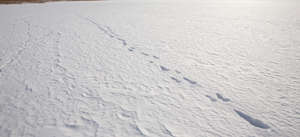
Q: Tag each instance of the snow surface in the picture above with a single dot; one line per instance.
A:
(150, 68)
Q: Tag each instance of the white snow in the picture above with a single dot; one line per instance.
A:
(126, 68)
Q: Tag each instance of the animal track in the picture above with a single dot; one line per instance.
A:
(252, 121)
(164, 68)
(27, 88)
(178, 72)
(175, 79)
(111, 31)
(107, 31)
(222, 98)
(131, 49)
(143, 53)
(124, 43)
(190, 81)
(155, 57)
(211, 98)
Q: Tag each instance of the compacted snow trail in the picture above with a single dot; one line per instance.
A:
(150, 68)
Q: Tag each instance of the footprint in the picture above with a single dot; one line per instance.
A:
(111, 31)
(155, 57)
(190, 81)
(222, 98)
(178, 72)
(252, 121)
(175, 79)
(131, 49)
(72, 126)
(164, 68)
(150, 61)
(27, 88)
(144, 53)
(212, 99)
(124, 43)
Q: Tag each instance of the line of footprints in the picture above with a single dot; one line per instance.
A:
(109, 32)
(165, 69)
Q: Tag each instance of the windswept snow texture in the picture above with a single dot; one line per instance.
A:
(150, 68)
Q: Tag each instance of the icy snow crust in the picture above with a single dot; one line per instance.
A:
(150, 68)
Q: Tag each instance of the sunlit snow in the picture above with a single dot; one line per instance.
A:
(151, 68)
